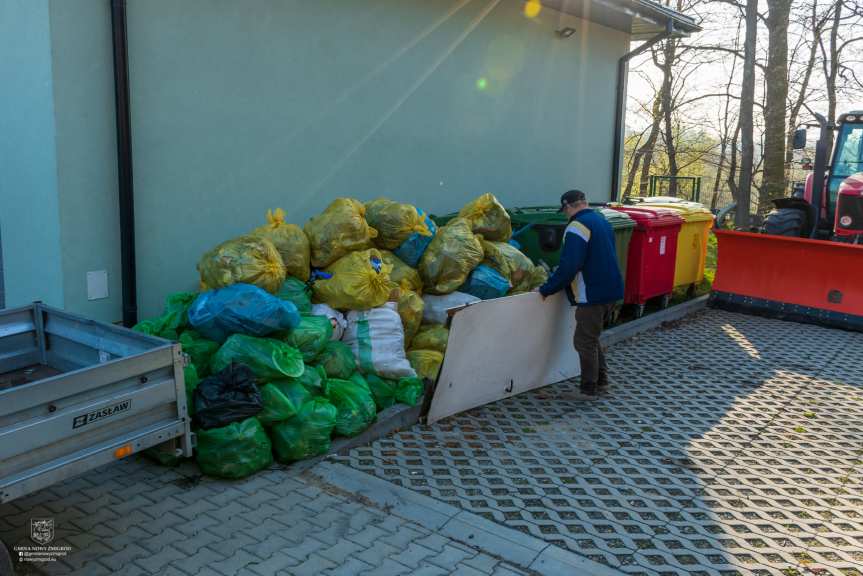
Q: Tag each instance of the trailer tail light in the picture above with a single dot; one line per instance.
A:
(123, 451)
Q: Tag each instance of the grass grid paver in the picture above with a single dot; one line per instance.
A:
(729, 444)
(716, 450)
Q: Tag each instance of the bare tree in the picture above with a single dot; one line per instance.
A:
(776, 80)
(746, 125)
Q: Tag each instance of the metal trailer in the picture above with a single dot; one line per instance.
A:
(77, 394)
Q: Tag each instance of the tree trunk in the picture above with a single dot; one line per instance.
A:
(833, 68)
(668, 111)
(776, 79)
(644, 154)
(747, 104)
(794, 114)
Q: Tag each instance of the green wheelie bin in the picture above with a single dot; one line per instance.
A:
(539, 232)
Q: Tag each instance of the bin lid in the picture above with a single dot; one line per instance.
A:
(618, 220)
(691, 211)
(651, 216)
(537, 215)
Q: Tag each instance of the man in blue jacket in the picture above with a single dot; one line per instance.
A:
(588, 272)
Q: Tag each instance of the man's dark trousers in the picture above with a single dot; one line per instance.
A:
(589, 321)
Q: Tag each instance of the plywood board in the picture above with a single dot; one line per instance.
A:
(503, 347)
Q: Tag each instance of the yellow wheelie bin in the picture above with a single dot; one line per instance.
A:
(692, 240)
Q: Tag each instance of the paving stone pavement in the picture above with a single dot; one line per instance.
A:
(135, 517)
(729, 445)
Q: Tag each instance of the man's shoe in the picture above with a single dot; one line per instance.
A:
(602, 382)
(590, 389)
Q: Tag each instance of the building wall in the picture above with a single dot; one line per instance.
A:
(86, 153)
(29, 212)
(58, 182)
(240, 107)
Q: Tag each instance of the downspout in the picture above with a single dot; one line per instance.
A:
(125, 183)
(620, 105)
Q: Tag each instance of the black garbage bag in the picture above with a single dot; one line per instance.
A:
(228, 396)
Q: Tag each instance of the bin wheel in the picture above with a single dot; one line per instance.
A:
(666, 300)
(6, 568)
(639, 310)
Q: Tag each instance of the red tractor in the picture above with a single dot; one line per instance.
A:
(807, 263)
(840, 197)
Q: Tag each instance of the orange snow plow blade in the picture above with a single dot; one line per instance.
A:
(797, 279)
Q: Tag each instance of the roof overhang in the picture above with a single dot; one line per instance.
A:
(643, 19)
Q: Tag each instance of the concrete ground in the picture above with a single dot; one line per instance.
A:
(729, 445)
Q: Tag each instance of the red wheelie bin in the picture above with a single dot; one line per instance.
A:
(652, 255)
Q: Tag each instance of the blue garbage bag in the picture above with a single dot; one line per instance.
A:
(411, 250)
(241, 309)
(485, 282)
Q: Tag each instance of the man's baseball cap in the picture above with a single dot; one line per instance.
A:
(571, 197)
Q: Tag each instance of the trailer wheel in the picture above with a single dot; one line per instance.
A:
(6, 568)
(784, 222)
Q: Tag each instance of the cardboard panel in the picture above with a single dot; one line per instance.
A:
(503, 347)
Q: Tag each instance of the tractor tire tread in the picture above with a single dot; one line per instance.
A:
(784, 222)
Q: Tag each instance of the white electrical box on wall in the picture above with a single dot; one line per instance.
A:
(97, 285)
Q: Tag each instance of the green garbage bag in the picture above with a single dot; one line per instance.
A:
(307, 434)
(234, 451)
(277, 405)
(338, 360)
(298, 292)
(311, 336)
(174, 318)
(409, 391)
(200, 350)
(431, 337)
(383, 391)
(450, 258)
(294, 391)
(355, 405)
(361, 381)
(268, 359)
(313, 379)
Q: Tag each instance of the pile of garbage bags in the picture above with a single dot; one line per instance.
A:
(299, 335)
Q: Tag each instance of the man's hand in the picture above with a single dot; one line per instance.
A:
(540, 293)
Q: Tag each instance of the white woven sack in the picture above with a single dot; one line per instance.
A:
(377, 340)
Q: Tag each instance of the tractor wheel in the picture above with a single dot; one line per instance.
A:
(784, 222)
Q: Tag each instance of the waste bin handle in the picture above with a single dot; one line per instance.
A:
(522, 230)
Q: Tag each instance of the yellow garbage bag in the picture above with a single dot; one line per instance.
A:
(450, 258)
(290, 241)
(247, 259)
(426, 363)
(338, 230)
(358, 281)
(411, 307)
(402, 274)
(395, 222)
(488, 217)
(514, 265)
(431, 337)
